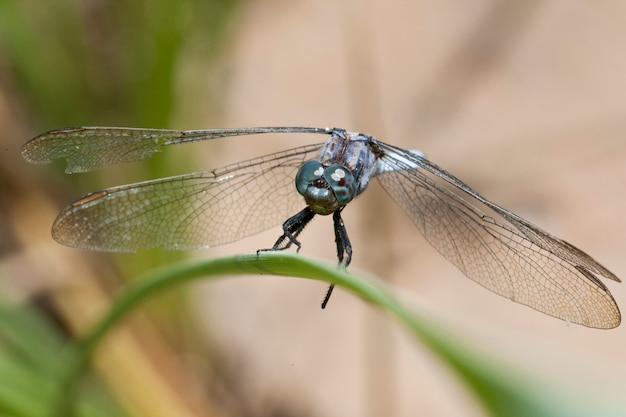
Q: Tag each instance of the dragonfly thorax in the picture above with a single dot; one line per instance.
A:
(325, 189)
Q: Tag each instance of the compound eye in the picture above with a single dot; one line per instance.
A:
(342, 183)
(308, 172)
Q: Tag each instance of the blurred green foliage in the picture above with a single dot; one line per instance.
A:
(34, 357)
(75, 62)
(105, 62)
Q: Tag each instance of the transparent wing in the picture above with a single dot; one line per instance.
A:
(496, 248)
(91, 148)
(188, 211)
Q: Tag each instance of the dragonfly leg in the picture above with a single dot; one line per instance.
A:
(344, 248)
(291, 229)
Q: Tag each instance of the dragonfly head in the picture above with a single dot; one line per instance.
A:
(325, 189)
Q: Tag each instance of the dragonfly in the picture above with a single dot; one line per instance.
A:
(491, 245)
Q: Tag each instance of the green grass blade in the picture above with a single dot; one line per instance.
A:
(500, 391)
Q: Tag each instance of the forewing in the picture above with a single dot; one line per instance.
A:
(495, 247)
(91, 148)
(189, 211)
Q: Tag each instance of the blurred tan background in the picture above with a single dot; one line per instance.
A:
(524, 101)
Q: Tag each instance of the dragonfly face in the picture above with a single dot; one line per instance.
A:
(325, 189)
(494, 247)
(342, 171)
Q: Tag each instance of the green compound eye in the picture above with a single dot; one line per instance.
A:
(342, 183)
(308, 172)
